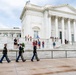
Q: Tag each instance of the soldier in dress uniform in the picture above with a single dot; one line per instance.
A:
(21, 51)
(5, 54)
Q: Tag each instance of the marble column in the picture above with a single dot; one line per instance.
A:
(14, 35)
(2, 35)
(69, 32)
(49, 27)
(56, 27)
(46, 23)
(63, 39)
(74, 25)
(8, 34)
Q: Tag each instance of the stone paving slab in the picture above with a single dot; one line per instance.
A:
(64, 66)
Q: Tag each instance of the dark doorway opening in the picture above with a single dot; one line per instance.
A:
(60, 36)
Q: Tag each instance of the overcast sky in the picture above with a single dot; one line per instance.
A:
(10, 10)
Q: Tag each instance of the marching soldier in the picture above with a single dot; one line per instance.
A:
(5, 54)
(21, 51)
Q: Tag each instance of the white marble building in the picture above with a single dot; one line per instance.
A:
(10, 32)
(7, 35)
(49, 21)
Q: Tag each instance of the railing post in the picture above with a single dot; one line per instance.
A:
(16, 54)
(66, 53)
(52, 54)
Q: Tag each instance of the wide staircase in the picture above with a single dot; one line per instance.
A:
(66, 47)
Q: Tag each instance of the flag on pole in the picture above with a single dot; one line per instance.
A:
(37, 37)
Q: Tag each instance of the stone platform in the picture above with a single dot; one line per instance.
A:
(64, 66)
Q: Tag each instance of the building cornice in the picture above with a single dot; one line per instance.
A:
(47, 7)
(35, 8)
(31, 7)
(63, 5)
(62, 12)
(4, 29)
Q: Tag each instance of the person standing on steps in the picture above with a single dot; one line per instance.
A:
(42, 44)
(54, 44)
(5, 54)
(15, 43)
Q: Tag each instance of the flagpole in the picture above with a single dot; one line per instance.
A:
(27, 2)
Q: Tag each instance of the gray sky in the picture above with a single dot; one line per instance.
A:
(10, 10)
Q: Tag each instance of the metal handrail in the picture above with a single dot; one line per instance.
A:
(52, 52)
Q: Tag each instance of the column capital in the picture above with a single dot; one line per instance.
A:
(69, 19)
(62, 18)
(74, 20)
(56, 16)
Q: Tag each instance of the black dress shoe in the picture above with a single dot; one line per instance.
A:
(24, 60)
(0, 61)
(9, 61)
(17, 61)
(32, 60)
(38, 60)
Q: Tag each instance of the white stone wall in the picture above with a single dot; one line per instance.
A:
(8, 41)
(31, 20)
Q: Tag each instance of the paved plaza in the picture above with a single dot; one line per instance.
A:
(64, 66)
